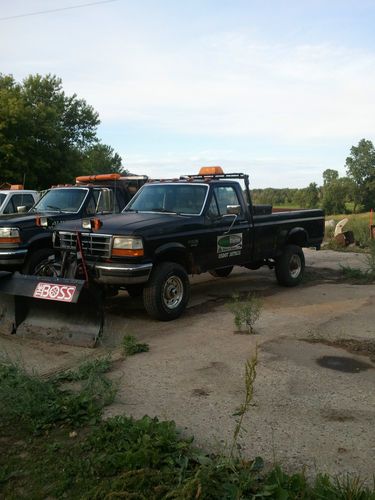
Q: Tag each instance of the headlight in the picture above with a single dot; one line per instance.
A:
(127, 246)
(10, 235)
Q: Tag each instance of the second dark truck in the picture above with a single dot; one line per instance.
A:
(191, 225)
(26, 238)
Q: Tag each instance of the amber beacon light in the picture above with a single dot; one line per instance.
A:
(211, 171)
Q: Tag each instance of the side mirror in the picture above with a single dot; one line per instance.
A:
(233, 209)
(21, 209)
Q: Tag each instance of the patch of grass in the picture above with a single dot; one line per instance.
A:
(246, 311)
(356, 275)
(370, 258)
(131, 346)
(365, 276)
(85, 370)
(39, 404)
(123, 457)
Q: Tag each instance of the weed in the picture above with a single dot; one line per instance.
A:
(250, 375)
(131, 346)
(85, 370)
(246, 312)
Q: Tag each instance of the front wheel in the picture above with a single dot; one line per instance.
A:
(166, 294)
(42, 263)
(290, 266)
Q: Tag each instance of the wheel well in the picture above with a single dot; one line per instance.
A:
(298, 237)
(37, 245)
(177, 256)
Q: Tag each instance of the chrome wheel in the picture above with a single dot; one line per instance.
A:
(173, 292)
(295, 266)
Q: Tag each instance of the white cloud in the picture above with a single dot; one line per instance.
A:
(229, 85)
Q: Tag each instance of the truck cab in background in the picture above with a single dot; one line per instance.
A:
(26, 238)
(14, 199)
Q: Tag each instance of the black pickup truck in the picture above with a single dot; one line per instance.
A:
(191, 225)
(26, 239)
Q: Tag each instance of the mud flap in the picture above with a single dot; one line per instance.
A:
(53, 309)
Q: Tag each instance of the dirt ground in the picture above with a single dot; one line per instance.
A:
(314, 400)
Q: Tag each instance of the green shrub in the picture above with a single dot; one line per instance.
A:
(246, 311)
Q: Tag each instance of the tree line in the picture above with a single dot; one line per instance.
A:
(352, 193)
(48, 137)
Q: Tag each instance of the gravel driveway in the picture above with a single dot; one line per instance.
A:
(314, 400)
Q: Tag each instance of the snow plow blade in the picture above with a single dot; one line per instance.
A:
(54, 309)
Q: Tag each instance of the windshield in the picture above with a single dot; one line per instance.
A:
(169, 198)
(2, 198)
(61, 200)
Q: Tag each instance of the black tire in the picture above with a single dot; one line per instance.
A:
(38, 263)
(221, 272)
(135, 290)
(167, 292)
(290, 266)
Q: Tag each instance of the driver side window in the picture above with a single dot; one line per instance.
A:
(225, 195)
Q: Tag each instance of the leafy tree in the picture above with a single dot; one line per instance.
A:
(101, 159)
(361, 168)
(307, 197)
(329, 176)
(336, 194)
(46, 136)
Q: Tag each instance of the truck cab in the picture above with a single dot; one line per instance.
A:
(173, 228)
(26, 238)
(17, 200)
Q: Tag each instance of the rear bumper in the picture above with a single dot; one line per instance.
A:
(12, 258)
(122, 274)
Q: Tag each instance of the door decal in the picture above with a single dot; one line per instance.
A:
(229, 245)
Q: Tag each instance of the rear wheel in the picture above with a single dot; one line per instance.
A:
(221, 272)
(166, 294)
(290, 266)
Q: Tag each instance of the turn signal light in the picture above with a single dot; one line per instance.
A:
(96, 224)
(93, 224)
(41, 221)
(10, 240)
(127, 252)
(211, 171)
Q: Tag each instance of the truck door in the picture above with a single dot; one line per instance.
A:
(229, 237)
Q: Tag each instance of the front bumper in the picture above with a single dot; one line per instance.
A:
(11, 258)
(122, 274)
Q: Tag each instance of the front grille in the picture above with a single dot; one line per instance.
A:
(94, 245)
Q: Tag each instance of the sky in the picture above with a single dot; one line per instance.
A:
(280, 90)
